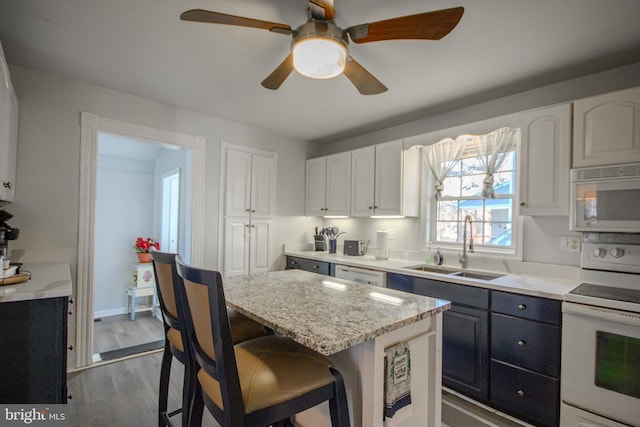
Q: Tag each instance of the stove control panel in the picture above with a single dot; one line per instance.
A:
(611, 257)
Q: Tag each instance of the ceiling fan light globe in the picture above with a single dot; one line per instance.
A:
(319, 58)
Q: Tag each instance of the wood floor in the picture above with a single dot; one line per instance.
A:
(117, 332)
(124, 394)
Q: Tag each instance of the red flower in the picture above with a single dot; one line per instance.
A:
(144, 245)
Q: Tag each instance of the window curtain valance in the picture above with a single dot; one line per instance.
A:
(441, 157)
(492, 148)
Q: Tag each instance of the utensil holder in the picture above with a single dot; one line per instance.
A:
(320, 243)
(332, 246)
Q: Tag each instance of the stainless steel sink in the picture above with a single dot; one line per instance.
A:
(476, 275)
(456, 272)
(434, 269)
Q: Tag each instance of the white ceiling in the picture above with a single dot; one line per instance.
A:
(141, 47)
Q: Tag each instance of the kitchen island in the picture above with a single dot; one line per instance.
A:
(352, 324)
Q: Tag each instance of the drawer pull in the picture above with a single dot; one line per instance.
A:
(522, 307)
(522, 343)
(520, 393)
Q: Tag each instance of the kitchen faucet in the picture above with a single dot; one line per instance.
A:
(463, 259)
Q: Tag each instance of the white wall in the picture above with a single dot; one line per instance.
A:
(46, 204)
(124, 211)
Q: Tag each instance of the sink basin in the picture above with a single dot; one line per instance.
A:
(455, 272)
(434, 269)
(474, 275)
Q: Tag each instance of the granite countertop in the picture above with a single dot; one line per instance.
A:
(48, 280)
(533, 279)
(325, 313)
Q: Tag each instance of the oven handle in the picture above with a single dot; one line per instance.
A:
(602, 313)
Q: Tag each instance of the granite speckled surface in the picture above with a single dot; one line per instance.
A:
(48, 280)
(324, 313)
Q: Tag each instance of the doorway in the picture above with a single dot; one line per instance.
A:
(189, 241)
(137, 195)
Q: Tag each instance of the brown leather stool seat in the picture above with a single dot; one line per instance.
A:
(261, 364)
(259, 382)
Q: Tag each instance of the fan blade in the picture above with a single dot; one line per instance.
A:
(200, 15)
(322, 9)
(428, 26)
(362, 79)
(279, 75)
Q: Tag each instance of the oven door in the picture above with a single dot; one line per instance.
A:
(601, 361)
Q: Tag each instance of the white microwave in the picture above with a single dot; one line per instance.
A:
(606, 199)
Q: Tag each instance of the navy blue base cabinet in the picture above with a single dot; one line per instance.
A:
(33, 360)
(465, 332)
(500, 348)
(313, 266)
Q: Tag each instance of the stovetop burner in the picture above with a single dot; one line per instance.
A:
(608, 292)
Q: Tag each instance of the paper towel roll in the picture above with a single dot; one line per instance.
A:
(382, 239)
(382, 245)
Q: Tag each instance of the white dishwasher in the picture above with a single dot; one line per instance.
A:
(361, 275)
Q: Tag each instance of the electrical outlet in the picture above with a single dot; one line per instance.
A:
(392, 233)
(570, 243)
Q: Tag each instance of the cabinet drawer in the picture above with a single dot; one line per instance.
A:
(525, 394)
(459, 294)
(526, 343)
(313, 266)
(534, 308)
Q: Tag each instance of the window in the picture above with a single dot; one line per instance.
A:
(493, 218)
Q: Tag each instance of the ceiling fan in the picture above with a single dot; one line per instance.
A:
(319, 48)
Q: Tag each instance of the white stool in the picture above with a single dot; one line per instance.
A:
(134, 292)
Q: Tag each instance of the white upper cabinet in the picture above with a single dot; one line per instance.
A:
(385, 180)
(8, 132)
(363, 175)
(607, 129)
(316, 186)
(328, 188)
(250, 184)
(545, 160)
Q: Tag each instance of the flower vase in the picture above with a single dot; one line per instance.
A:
(144, 257)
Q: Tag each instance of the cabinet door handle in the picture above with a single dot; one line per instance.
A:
(316, 266)
(522, 203)
(253, 211)
(370, 207)
(70, 347)
(520, 393)
(248, 210)
(522, 307)
(522, 343)
(7, 184)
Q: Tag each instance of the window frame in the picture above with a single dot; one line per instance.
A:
(513, 252)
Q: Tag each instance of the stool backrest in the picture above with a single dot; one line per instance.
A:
(167, 282)
(209, 335)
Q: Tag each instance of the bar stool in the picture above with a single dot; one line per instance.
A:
(167, 282)
(258, 382)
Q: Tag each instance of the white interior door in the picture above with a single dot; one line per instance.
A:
(170, 211)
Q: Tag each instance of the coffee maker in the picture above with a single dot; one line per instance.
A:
(6, 233)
